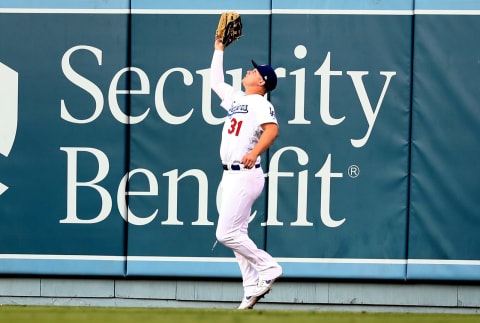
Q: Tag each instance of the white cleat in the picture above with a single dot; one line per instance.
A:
(263, 287)
(248, 302)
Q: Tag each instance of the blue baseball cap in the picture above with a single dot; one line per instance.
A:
(268, 75)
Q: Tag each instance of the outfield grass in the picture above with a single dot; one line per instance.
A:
(57, 314)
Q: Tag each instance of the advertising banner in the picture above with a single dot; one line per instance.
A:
(110, 134)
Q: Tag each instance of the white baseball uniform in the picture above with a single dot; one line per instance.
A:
(241, 187)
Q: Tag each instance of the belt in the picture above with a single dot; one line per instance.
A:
(237, 166)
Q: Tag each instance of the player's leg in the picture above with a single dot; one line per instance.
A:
(229, 222)
(239, 191)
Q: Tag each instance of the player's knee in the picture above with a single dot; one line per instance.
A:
(221, 237)
(225, 238)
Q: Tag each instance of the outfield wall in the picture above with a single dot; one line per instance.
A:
(286, 295)
(109, 138)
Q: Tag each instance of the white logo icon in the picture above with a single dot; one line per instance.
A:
(8, 112)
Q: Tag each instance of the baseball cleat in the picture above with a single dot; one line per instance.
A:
(248, 302)
(263, 287)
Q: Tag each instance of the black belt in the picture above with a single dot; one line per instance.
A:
(237, 166)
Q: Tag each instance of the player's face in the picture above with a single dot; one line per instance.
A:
(252, 77)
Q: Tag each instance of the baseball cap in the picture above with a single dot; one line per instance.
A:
(268, 75)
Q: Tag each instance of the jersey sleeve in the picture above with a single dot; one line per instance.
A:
(225, 91)
(217, 82)
(266, 114)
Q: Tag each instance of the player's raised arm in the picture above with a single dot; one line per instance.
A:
(217, 81)
(229, 30)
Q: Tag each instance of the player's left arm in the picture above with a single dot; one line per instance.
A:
(217, 81)
(270, 133)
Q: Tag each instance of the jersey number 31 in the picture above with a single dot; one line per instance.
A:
(235, 126)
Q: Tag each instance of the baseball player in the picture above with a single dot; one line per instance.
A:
(250, 128)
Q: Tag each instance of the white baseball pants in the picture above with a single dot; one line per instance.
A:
(239, 190)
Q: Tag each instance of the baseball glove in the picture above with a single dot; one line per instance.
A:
(229, 28)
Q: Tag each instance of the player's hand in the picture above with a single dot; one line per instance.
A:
(218, 45)
(249, 160)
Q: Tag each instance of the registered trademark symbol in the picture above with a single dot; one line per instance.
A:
(353, 171)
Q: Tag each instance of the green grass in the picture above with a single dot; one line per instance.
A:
(57, 314)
